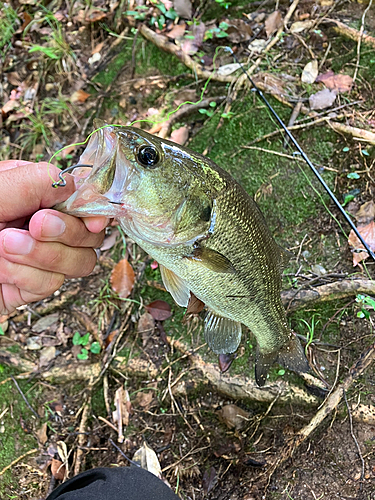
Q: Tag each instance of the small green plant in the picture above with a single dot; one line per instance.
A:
(310, 330)
(224, 3)
(365, 303)
(84, 340)
(8, 17)
(353, 175)
(1, 330)
(219, 32)
(58, 51)
(208, 112)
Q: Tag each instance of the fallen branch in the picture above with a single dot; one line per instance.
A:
(30, 452)
(329, 405)
(358, 134)
(79, 455)
(330, 291)
(348, 32)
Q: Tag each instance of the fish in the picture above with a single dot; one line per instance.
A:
(205, 231)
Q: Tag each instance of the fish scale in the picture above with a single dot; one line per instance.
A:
(205, 231)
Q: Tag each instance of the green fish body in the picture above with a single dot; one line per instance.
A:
(204, 230)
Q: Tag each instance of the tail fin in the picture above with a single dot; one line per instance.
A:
(291, 356)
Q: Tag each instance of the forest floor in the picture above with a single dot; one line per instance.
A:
(86, 376)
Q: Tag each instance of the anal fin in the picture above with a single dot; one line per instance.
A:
(175, 286)
(223, 335)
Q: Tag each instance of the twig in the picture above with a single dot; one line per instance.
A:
(360, 40)
(24, 398)
(330, 404)
(358, 134)
(353, 436)
(351, 33)
(30, 452)
(82, 434)
(271, 151)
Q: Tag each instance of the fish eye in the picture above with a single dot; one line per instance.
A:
(148, 156)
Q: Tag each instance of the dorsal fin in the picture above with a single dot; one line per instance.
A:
(175, 286)
(223, 335)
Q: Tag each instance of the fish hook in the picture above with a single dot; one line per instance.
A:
(62, 181)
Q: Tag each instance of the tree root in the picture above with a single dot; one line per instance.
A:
(348, 32)
(329, 405)
(295, 299)
(358, 134)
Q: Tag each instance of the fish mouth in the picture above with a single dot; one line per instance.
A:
(102, 191)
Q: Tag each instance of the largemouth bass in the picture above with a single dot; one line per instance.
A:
(207, 234)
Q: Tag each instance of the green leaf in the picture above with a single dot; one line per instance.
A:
(202, 111)
(281, 372)
(353, 175)
(213, 104)
(84, 354)
(346, 149)
(85, 338)
(171, 14)
(348, 197)
(95, 348)
(366, 153)
(369, 301)
(223, 25)
(76, 338)
(48, 51)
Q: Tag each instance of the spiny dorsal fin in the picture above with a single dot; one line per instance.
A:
(223, 335)
(211, 259)
(175, 286)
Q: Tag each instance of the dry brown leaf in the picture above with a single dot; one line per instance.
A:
(159, 310)
(95, 15)
(177, 31)
(147, 459)
(180, 135)
(144, 399)
(364, 413)
(368, 234)
(191, 46)
(209, 480)
(183, 8)
(195, 306)
(79, 96)
(310, 72)
(58, 469)
(273, 22)
(110, 240)
(300, 26)
(339, 83)
(322, 99)
(366, 213)
(41, 434)
(122, 278)
(234, 416)
(146, 325)
(238, 30)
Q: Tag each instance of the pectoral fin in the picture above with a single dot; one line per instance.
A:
(211, 259)
(290, 356)
(175, 286)
(223, 335)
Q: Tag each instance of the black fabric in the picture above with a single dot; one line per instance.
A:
(122, 483)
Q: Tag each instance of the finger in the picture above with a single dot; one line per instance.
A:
(50, 225)
(22, 284)
(96, 224)
(20, 247)
(27, 188)
(8, 164)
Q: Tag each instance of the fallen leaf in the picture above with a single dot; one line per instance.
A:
(26, 18)
(368, 234)
(366, 213)
(251, 462)
(234, 417)
(45, 323)
(310, 72)
(147, 459)
(273, 22)
(322, 99)
(41, 434)
(122, 278)
(183, 8)
(159, 310)
(225, 447)
(144, 399)
(339, 83)
(97, 48)
(228, 69)
(146, 326)
(110, 240)
(195, 306)
(300, 26)
(58, 469)
(95, 15)
(123, 411)
(180, 135)
(177, 31)
(364, 413)
(257, 45)
(47, 355)
(79, 96)
(238, 30)
(33, 343)
(191, 45)
(209, 480)
(225, 361)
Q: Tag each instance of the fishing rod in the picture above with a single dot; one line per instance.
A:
(305, 157)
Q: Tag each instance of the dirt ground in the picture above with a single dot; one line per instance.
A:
(87, 377)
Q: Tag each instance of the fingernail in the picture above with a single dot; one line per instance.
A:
(18, 242)
(52, 226)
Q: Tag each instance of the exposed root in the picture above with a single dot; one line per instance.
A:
(348, 32)
(358, 134)
(79, 455)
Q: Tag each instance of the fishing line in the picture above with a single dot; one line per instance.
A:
(62, 183)
(305, 157)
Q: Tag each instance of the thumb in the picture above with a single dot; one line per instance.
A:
(28, 188)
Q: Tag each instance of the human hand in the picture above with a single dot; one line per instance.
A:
(35, 262)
